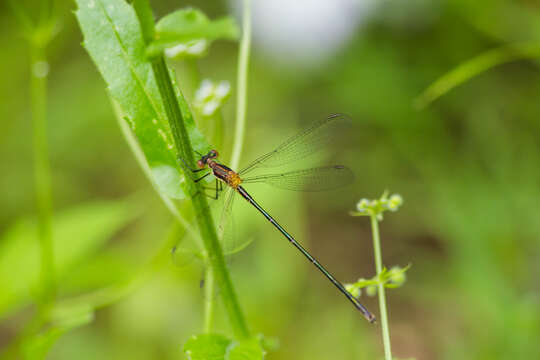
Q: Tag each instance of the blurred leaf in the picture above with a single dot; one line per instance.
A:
(96, 299)
(269, 343)
(77, 232)
(190, 25)
(207, 347)
(112, 36)
(474, 67)
(245, 350)
(111, 266)
(37, 346)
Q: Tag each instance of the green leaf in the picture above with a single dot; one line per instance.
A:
(219, 347)
(77, 233)
(207, 347)
(113, 38)
(186, 26)
(245, 350)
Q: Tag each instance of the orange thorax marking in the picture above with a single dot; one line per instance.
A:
(234, 179)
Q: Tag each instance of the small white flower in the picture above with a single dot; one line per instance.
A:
(223, 89)
(210, 107)
(198, 48)
(205, 91)
(176, 50)
(362, 205)
(210, 97)
(194, 48)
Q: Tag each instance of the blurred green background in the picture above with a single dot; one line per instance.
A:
(467, 165)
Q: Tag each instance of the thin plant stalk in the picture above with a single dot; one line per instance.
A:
(39, 33)
(240, 129)
(209, 280)
(42, 174)
(177, 110)
(200, 204)
(242, 80)
(209, 284)
(380, 288)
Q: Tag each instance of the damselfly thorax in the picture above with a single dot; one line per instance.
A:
(224, 173)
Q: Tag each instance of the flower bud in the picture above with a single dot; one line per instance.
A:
(397, 276)
(394, 202)
(354, 290)
(371, 290)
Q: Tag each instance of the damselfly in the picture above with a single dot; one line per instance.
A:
(294, 149)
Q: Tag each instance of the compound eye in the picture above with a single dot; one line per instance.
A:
(200, 164)
(214, 153)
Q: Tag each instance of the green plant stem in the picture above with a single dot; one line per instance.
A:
(200, 204)
(382, 299)
(42, 176)
(209, 280)
(238, 143)
(241, 100)
(194, 75)
(209, 283)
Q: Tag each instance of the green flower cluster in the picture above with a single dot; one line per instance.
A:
(377, 207)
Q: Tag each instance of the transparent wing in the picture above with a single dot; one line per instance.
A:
(303, 144)
(314, 179)
(226, 212)
(230, 243)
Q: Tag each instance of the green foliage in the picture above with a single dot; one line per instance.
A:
(218, 347)
(38, 345)
(377, 207)
(245, 350)
(183, 28)
(78, 233)
(474, 67)
(467, 164)
(206, 347)
(112, 36)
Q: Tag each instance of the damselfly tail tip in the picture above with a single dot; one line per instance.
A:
(371, 318)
